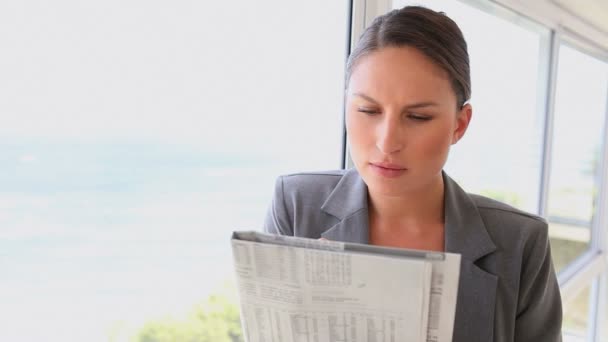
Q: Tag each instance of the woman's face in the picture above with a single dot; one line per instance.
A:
(401, 120)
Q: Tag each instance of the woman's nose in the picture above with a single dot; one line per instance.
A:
(389, 137)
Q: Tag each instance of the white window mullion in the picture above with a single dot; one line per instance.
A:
(552, 58)
(600, 241)
(574, 279)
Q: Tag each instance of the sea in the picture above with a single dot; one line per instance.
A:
(96, 239)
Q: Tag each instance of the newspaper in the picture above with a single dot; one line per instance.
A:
(304, 290)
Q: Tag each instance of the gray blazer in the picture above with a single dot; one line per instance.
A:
(508, 290)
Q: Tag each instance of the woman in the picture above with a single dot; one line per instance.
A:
(408, 83)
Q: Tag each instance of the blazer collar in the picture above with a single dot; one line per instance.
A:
(348, 203)
(465, 232)
(348, 197)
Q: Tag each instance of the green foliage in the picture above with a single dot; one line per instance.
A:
(214, 320)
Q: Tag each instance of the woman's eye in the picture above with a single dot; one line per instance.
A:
(368, 111)
(419, 117)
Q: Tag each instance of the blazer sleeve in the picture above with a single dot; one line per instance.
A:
(539, 313)
(278, 219)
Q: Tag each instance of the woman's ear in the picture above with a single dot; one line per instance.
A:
(463, 118)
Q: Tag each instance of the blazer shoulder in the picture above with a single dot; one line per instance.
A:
(500, 214)
(296, 206)
(313, 182)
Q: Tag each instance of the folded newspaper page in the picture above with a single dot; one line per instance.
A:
(304, 290)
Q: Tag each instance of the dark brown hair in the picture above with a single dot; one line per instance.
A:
(432, 33)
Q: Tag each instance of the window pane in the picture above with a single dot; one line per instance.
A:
(140, 134)
(576, 317)
(500, 155)
(580, 108)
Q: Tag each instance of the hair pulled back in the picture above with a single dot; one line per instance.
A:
(432, 33)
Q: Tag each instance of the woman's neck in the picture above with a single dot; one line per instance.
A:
(415, 209)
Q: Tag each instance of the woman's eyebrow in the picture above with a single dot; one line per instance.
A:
(365, 97)
(409, 106)
(421, 105)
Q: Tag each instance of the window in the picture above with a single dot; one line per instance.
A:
(138, 136)
(602, 322)
(578, 130)
(576, 317)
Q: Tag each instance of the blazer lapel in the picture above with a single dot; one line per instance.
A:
(465, 233)
(348, 203)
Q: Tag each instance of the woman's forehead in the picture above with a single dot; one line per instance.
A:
(399, 71)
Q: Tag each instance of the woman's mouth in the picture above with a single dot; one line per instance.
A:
(388, 170)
